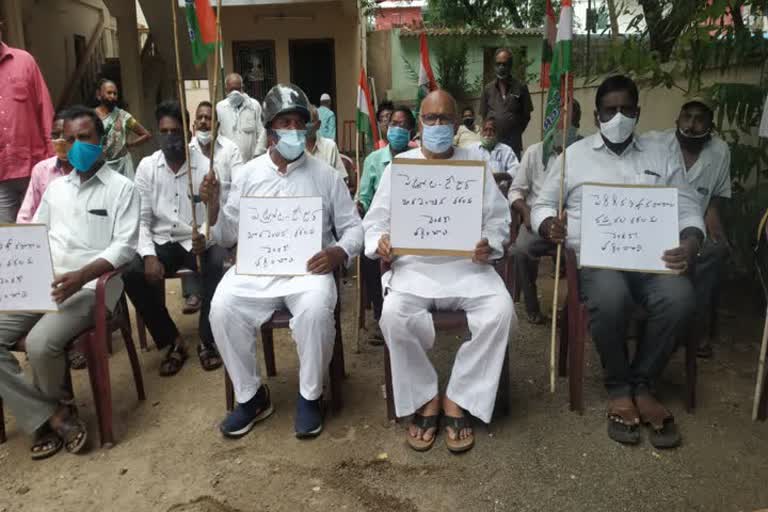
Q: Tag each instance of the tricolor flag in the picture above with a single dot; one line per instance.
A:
(201, 24)
(560, 90)
(548, 43)
(366, 124)
(427, 81)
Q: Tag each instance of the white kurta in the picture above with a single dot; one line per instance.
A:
(501, 159)
(243, 126)
(327, 151)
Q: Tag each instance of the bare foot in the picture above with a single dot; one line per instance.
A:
(431, 408)
(651, 410)
(451, 408)
(624, 408)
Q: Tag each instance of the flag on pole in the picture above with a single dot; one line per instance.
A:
(548, 44)
(559, 90)
(201, 25)
(427, 81)
(366, 124)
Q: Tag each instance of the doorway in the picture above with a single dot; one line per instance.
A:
(255, 62)
(313, 67)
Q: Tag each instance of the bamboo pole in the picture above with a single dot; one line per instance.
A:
(760, 384)
(214, 118)
(359, 267)
(556, 292)
(185, 122)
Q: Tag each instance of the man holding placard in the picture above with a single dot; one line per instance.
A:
(635, 174)
(441, 197)
(92, 216)
(282, 212)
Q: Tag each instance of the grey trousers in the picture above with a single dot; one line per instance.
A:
(709, 266)
(528, 248)
(11, 195)
(611, 297)
(33, 403)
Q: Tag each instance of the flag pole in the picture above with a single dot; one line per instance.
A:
(214, 119)
(185, 122)
(558, 257)
(359, 267)
(760, 384)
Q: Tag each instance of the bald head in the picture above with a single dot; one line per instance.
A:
(439, 102)
(233, 82)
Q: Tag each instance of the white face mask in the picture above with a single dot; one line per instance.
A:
(203, 138)
(236, 98)
(619, 129)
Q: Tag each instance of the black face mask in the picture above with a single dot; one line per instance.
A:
(469, 122)
(692, 143)
(109, 104)
(172, 146)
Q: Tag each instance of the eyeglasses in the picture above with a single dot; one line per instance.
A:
(433, 119)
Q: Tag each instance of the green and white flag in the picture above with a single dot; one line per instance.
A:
(559, 87)
(365, 120)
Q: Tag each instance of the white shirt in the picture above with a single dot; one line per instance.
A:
(226, 161)
(501, 159)
(530, 177)
(243, 126)
(166, 208)
(710, 176)
(644, 162)
(98, 219)
(307, 176)
(440, 276)
(327, 151)
(466, 137)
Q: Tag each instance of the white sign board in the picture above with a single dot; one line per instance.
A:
(278, 235)
(436, 206)
(26, 269)
(628, 227)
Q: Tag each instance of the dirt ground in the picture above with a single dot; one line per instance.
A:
(170, 457)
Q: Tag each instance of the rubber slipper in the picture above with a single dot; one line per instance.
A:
(458, 445)
(74, 433)
(665, 437)
(424, 423)
(46, 444)
(621, 431)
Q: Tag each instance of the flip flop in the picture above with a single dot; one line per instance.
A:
(209, 358)
(666, 436)
(621, 431)
(424, 423)
(74, 433)
(457, 424)
(46, 444)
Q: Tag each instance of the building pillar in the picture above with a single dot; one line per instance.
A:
(130, 59)
(13, 35)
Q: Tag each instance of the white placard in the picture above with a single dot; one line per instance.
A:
(26, 269)
(628, 227)
(278, 235)
(437, 206)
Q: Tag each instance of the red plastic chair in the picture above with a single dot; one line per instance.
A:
(93, 343)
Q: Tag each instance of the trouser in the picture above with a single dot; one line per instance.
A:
(191, 285)
(11, 194)
(406, 323)
(371, 271)
(611, 296)
(148, 298)
(709, 266)
(237, 317)
(47, 337)
(528, 248)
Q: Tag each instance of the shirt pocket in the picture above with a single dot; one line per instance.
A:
(19, 88)
(647, 177)
(248, 123)
(99, 227)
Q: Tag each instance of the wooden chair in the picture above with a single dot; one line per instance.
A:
(140, 321)
(281, 320)
(574, 323)
(761, 262)
(94, 343)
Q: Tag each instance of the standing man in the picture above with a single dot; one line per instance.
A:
(507, 100)
(165, 242)
(417, 285)
(467, 134)
(240, 119)
(616, 155)
(322, 148)
(327, 117)
(27, 116)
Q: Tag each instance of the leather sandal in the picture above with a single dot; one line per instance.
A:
(424, 423)
(457, 424)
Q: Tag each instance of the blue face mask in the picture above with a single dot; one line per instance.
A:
(83, 155)
(291, 143)
(438, 138)
(398, 137)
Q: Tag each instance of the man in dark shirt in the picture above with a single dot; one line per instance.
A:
(508, 101)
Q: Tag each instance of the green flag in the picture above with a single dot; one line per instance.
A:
(200, 49)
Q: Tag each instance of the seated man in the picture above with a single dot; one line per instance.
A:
(502, 160)
(616, 155)
(706, 159)
(467, 134)
(529, 246)
(165, 242)
(322, 148)
(93, 221)
(243, 302)
(417, 285)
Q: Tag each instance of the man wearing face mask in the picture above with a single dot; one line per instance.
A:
(616, 155)
(467, 134)
(500, 158)
(239, 118)
(322, 148)
(507, 100)
(417, 285)
(92, 216)
(165, 241)
(706, 159)
(401, 128)
(243, 303)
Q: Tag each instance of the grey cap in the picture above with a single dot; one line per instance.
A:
(282, 99)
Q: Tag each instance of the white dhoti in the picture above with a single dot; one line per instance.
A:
(240, 307)
(406, 323)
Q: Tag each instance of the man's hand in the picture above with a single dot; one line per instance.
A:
(527, 219)
(482, 252)
(66, 285)
(384, 249)
(327, 260)
(680, 259)
(360, 209)
(154, 271)
(209, 190)
(554, 229)
(198, 242)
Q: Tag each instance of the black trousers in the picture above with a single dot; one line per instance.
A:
(148, 298)
(372, 278)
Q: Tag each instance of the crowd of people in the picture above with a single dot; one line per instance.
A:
(76, 164)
